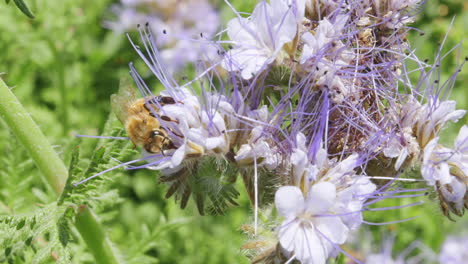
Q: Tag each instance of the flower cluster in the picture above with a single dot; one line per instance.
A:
(310, 103)
(184, 28)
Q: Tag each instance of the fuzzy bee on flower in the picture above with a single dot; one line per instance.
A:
(141, 118)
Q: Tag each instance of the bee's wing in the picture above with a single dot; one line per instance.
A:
(121, 101)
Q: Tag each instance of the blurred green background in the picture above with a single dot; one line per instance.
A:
(64, 65)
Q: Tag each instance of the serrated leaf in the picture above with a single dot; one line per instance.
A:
(20, 224)
(72, 171)
(7, 251)
(24, 8)
(28, 241)
(63, 230)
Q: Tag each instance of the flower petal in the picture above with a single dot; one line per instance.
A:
(289, 201)
(332, 228)
(321, 197)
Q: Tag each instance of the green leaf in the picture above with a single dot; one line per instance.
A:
(24, 8)
(63, 229)
(72, 172)
(20, 224)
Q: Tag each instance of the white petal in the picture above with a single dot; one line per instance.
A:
(289, 201)
(321, 197)
(461, 142)
(215, 142)
(241, 30)
(332, 228)
(178, 156)
(457, 192)
(401, 158)
(309, 247)
(299, 161)
(287, 234)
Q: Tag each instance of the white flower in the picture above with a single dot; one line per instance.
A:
(303, 231)
(325, 33)
(454, 250)
(448, 168)
(460, 157)
(259, 39)
(433, 117)
(400, 146)
(332, 207)
(258, 150)
(434, 167)
(300, 163)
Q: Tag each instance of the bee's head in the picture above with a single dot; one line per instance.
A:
(156, 140)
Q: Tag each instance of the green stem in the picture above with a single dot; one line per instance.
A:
(32, 138)
(54, 170)
(94, 236)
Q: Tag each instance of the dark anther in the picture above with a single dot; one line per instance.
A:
(436, 81)
(325, 72)
(147, 24)
(317, 68)
(466, 58)
(426, 60)
(138, 25)
(230, 47)
(167, 100)
(437, 65)
(166, 118)
(224, 131)
(422, 33)
(164, 31)
(201, 34)
(426, 193)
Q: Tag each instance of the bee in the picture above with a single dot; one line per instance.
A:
(139, 120)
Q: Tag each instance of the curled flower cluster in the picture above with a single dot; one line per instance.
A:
(312, 106)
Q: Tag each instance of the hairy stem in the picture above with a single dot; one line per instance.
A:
(54, 170)
(32, 138)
